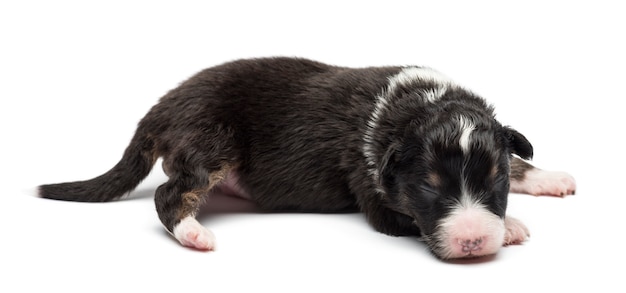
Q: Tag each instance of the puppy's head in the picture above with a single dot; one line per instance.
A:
(451, 176)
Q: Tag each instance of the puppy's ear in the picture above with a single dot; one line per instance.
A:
(518, 143)
(388, 164)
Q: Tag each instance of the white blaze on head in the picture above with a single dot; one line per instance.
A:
(466, 127)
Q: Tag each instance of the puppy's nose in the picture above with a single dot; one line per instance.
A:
(470, 246)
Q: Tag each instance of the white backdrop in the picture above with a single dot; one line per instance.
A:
(76, 77)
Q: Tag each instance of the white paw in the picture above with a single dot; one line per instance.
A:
(191, 234)
(516, 231)
(541, 182)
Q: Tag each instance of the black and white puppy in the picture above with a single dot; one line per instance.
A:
(415, 152)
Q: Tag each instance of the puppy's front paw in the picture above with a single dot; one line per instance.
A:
(192, 234)
(516, 231)
(541, 182)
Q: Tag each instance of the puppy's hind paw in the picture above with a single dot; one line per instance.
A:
(192, 234)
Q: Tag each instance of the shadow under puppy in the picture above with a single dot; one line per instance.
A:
(415, 152)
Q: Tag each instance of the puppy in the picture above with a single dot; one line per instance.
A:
(418, 154)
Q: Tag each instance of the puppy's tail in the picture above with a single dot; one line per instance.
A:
(134, 166)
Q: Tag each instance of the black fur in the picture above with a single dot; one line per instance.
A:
(293, 131)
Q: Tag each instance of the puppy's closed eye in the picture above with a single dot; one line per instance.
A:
(428, 191)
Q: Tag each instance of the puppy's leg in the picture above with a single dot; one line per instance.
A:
(525, 178)
(390, 222)
(515, 231)
(179, 200)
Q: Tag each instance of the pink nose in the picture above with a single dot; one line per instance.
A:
(470, 247)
